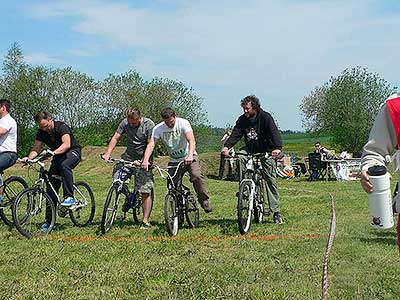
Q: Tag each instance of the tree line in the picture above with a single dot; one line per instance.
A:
(92, 108)
(345, 107)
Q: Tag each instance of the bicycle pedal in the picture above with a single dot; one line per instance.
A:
(62, 212)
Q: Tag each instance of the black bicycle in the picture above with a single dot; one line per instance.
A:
(12, 186)
(29, 208)
(251, 193)
(124, 169)
(179, 203)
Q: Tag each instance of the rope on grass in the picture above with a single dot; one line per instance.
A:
(398, 232)
(325, 281)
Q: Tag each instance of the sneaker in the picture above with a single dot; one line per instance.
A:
(68, 201)
(206, 206)
(278, 218)
(145, 225)
(45, 227)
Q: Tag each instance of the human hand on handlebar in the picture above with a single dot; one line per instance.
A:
(275, 153)
(225, 151)
(189, 159)
(47, 153)
(105, 156)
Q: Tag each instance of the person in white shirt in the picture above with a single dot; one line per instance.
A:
(177, 134)
(8, 141)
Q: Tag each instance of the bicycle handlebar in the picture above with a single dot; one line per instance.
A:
(127, 163)
(38, 159)
(163, 171)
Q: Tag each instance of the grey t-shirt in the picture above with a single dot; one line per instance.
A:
(137, 137)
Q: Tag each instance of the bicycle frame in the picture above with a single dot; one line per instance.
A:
(44, 181)
(120, 180)
(179, 188)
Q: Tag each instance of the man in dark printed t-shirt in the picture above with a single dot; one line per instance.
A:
(138, 130)
(58, 137)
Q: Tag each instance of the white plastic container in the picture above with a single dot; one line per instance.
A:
(380, 200)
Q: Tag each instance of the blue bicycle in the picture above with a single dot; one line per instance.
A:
(119, 191)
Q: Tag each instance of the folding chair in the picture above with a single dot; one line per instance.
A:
(317, 168)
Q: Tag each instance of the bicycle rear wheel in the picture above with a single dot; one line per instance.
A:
(191, 211)
(11, 188)
(170, 214)
(110, 208)
(83, 211)
(29, 213)
(259, 204)
(243, 207)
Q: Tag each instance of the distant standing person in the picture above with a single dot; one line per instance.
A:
(138, 130)
(8, 141)
(260, 136)
(177, 134)
(223, 157)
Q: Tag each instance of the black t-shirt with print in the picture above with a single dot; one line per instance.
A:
(54, 141)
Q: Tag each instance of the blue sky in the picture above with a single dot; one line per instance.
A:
(224, 50)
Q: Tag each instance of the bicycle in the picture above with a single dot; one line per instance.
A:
(29, 213)
(251, 193)
(179, 203)
(119, 187)
(11, 188)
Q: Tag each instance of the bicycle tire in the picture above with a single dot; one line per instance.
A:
(110, 209)
(259, 204)
(239, 171)
(138, 208)
(181, 214)
(170, 214)
(85, 206)
(29, 213)
(12, 186)
(191, 211)
(243, 207)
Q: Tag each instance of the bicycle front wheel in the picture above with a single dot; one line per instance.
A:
(243, 207)
(83, 211)
(170, 214)
(29, 213)
(11, 188)
(110, 208)
(259, 204)
(191, 211)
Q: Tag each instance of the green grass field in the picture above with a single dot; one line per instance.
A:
(212, 261)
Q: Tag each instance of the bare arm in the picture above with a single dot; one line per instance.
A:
(147, 153)
(192, 145)
(111, 146)
(65, 146)
(3, 131)
(35, 150)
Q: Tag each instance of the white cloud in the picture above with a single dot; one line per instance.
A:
(40, 58)
(277, 49)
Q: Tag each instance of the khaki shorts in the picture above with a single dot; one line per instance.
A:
(144, 181)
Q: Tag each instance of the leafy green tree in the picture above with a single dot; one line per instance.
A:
(345, 107)
(74, 97)
(28, 91)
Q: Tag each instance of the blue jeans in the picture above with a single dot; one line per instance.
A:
(7, 159)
